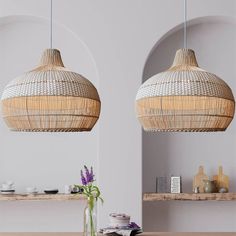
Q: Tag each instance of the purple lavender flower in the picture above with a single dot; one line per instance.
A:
(89, 188)
(133, 225)
(91, 174)
(88, 177)
(83, 179)
(87, 174)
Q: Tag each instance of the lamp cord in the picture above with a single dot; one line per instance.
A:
(185, 24)
(51, 24)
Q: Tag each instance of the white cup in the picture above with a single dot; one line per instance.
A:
(67, 189)
(31, 189)
(7, 185)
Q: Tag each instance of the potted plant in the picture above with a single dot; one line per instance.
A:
(93, 194)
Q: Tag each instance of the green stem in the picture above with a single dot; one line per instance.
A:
(91, 207)
(91, 223)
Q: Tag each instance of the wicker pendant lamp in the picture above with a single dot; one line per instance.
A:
(50, 98)
(185, 98)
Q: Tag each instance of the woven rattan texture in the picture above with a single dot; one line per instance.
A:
(50, 98)
(51, 83)
(185, 98)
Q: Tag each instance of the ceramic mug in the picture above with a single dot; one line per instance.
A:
(7, 185)
(67, 189)
(209, 186)
(31, 189)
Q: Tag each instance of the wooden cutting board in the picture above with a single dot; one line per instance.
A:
(222, 181)
(198, 179)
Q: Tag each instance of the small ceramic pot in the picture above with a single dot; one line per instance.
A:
(68, 189)
(30, 190)
(223, 190)
(196, 190)
(209, 186)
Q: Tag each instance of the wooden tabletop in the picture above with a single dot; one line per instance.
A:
(143, 234)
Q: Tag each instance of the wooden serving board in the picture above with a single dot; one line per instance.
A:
(222, 181)
(198, 179)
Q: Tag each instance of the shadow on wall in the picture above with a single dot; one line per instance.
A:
(165, 154)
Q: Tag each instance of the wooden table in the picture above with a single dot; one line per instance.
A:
(143, 234)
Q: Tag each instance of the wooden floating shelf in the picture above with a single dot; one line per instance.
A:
(189, 197)
(42, 197)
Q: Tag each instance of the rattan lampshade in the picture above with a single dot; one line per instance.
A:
(185, 98)
(50, 98)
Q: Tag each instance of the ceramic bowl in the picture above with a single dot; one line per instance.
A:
(51, 191)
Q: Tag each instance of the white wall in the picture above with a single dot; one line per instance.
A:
(119, 35)
(166, 154)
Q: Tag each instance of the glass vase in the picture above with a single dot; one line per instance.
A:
(90, 217)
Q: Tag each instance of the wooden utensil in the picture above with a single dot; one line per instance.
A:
(198, 179)
(222, 181)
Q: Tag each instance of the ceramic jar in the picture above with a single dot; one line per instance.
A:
(209, 186)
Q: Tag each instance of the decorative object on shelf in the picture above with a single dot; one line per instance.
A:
(76, 189)
(67, 189)
(196, 189)
(162, 185)
(119, 220)
(51, 191)
(31, 190)
(7, 187)
(210, 186)
(198, 179)
(185, 97)
(176, 184)
(222, 181)
(223, 190)
(92, 193)
(8, 191)
(50, 98)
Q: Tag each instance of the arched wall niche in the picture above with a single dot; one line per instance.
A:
(76, 53)
(43, 159)
(165, 154)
